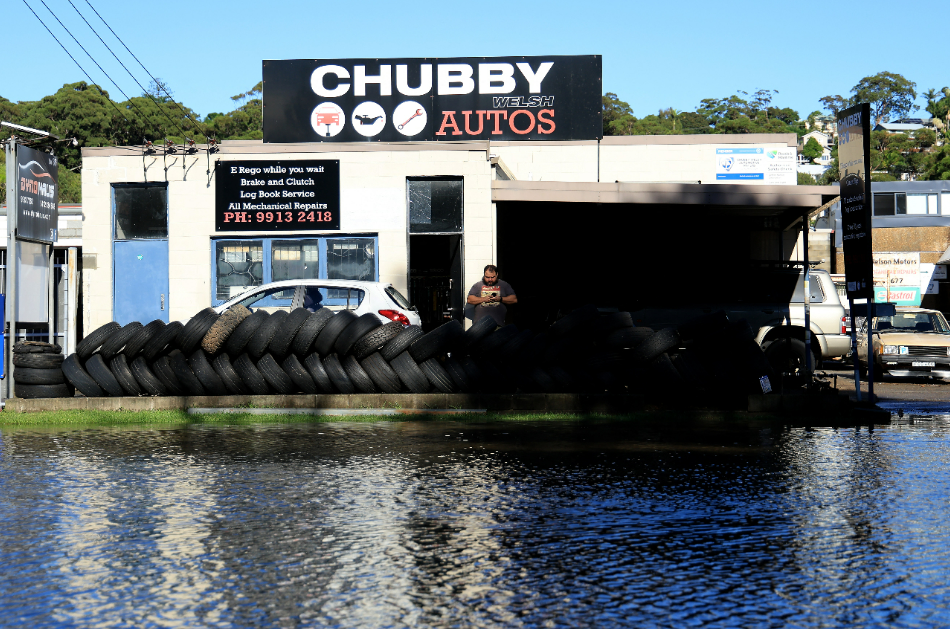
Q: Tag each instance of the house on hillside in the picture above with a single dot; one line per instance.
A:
(910, 128)
(826, 140)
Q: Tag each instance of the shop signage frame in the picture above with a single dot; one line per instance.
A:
(854, 158)
(277, 195)
(433, 99)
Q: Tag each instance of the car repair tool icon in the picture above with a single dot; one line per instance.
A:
(418, 113)
(369, 119)
(327, 119)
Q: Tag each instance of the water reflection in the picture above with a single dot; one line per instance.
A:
(505, 524)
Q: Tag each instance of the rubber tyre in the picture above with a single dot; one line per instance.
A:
(138, 342)
(409, 373)
(241, 336)
(209, 378)
(534, 351)
(251, 376)
(704, 326)
(80, 378)
(456, 371)
(437, 342)
(401, 343)
(221, 329)
(362, 326)
(308, 332)
(513, 349)
(194, 331)
(115, 343)
(299, 374)
(41, 391)
(476, 333)
(437, 376)
(184, 373)
(100, 372)
(162, 369)
(257, 346)
(573, 321)
(738, 331)
(36, 347)
(786, 358)
(492, 344)
(146, 379)
(317, 371)
(284, 338)
(493, 381)
(473, 372)
(29, 375)
(276, 378)
(564, 381)
(627, 338)
(332, 330)
(163, 340)
(543, 381)
(341, 381)
(358, 375)
(119, 366)
(610, 321)
(91, 343)
(225, 370)
(375, 340)
(654, 345)
(38, 361)
(381, 373)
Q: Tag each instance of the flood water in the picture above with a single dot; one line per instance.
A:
(505, 524)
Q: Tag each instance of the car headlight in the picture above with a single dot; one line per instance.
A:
(890, 349)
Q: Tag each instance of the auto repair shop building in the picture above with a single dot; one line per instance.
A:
(615, 221)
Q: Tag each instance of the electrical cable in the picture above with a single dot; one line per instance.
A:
(158, 84)
(91, 82)
(144, 91)
(134, 106)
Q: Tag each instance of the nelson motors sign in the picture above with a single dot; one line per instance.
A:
(393, 100)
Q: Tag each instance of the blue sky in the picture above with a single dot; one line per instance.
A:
(656, 54)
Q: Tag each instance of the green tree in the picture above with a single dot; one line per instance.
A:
(890, 95)
(812, 150)
(618, 116)
(804, 179)
(834, 104)
(939, 166)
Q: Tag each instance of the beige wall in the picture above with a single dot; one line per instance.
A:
(372, 197)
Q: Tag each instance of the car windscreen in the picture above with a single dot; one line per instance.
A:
(910, 322)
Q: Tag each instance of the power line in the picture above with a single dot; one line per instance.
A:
(158, 84)
(43, 2)
(144, 91)
(91, 82)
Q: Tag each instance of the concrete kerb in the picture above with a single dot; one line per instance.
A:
(553, 402)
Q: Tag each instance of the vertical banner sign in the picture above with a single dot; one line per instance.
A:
(277, 195)
(854, 158)
(37, 187)
(400, 100)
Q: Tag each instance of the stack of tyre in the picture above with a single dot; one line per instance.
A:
(239, 352)
(37, 371)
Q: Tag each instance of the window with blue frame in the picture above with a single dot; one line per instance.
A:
(241, 264)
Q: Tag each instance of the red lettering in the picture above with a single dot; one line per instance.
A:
(542, 119)
(448, 120)
(515, 114)
(468, 129)
(228, 216)
(498, 114)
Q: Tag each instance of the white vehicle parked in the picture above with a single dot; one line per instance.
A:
(383, 300)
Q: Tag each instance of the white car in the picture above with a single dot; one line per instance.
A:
(383, 300)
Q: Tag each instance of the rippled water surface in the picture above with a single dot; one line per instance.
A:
(421, 524)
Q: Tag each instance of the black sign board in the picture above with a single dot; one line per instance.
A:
(394, 100)
(37, 195)
(277, 195)
(854, 159)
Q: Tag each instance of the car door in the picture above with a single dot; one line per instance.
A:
(271, 299)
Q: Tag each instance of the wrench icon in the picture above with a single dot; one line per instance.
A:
(419, 112)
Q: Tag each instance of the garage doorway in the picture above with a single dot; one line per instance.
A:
(140, 252)
(435, 248)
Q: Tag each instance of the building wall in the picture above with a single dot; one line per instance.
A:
(373, 200)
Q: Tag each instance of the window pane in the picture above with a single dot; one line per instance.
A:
(141, 212)
(884, 204)
(239, 266)
(351, 259)
(900, 203)
(945, 202)
(932, 207)
(916, 203)
(435, 205)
